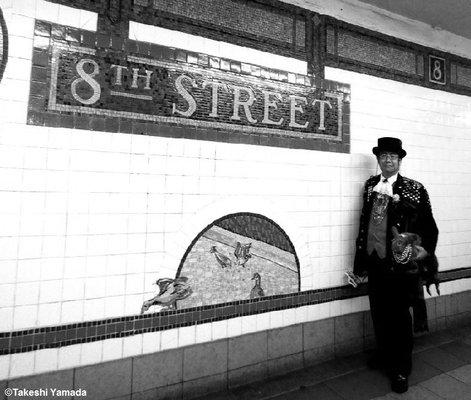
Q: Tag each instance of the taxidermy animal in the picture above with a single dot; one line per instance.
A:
(403, 246)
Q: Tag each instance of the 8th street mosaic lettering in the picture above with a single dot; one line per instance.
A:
(172, 92)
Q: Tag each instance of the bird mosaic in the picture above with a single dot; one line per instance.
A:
(222, 260)
(170, 291)
(257, 291)
(241, 253)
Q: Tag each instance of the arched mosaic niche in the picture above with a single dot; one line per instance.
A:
(3, 44)
(238, 257)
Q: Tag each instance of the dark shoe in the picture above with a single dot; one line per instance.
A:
(399, 383)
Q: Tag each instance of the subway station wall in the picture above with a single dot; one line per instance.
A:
(92, 219)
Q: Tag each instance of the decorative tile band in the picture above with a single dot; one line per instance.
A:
(362, 50)
(267, 25)
(292, 31)
(65, 335)
(3, 44)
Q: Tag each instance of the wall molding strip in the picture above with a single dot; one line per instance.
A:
(91, 331)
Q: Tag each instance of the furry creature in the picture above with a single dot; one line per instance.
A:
(404, 246)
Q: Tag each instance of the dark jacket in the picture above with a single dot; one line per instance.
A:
(411, 212)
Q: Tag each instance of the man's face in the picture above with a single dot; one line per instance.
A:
(389, 163)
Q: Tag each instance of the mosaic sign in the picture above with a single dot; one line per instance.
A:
(240, 257)
(437, 70)
(172, 92)
(3, 44)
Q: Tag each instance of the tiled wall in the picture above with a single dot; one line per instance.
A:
(91, 219)
(196, 369)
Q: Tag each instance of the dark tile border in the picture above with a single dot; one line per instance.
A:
(150, 16)
(116, 21)
(91, 331)
(420, 78)
(4, 54)
(316, 44)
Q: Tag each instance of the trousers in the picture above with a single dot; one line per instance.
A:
(391, 296)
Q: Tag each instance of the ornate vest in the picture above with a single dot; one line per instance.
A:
(377, 227)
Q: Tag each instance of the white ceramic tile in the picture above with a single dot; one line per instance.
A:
(75, 267)
(234, 327)
(300, 315)
(132, 345)
(115, 285)
(112, 349)
(335, 307)
(263, 321)
(49, 314)
(151, 342)
(114, 306)
(6, 319)
(203, 333)
(21, 364)
(186, 335)
(69, 356)
(73, 289)
(93, 309)
(169, 339)
(7, 295)
(182, 40)
(21, 25)
(47, 11)
(289, 316)
(72, 311)
(25, 317)
(45, 360)
(219, 329)
(53, 246)
(30, 247)
(134, 283)
(4, 366)
(249, 324)
(133, 304)
(9, 271)
(94, 288)
(29, 270)
(52, 269)
(91, 353)
(50, 291)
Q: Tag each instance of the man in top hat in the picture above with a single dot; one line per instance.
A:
(395, 209)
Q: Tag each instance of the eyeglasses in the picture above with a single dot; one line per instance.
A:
(392, 156)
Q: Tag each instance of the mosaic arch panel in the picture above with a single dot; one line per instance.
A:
(238, 257)
(3, 44)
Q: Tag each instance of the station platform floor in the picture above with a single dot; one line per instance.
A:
(441, 370)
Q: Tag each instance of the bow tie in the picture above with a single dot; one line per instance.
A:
(384, 187)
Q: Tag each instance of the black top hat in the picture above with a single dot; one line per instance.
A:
(393, 145)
